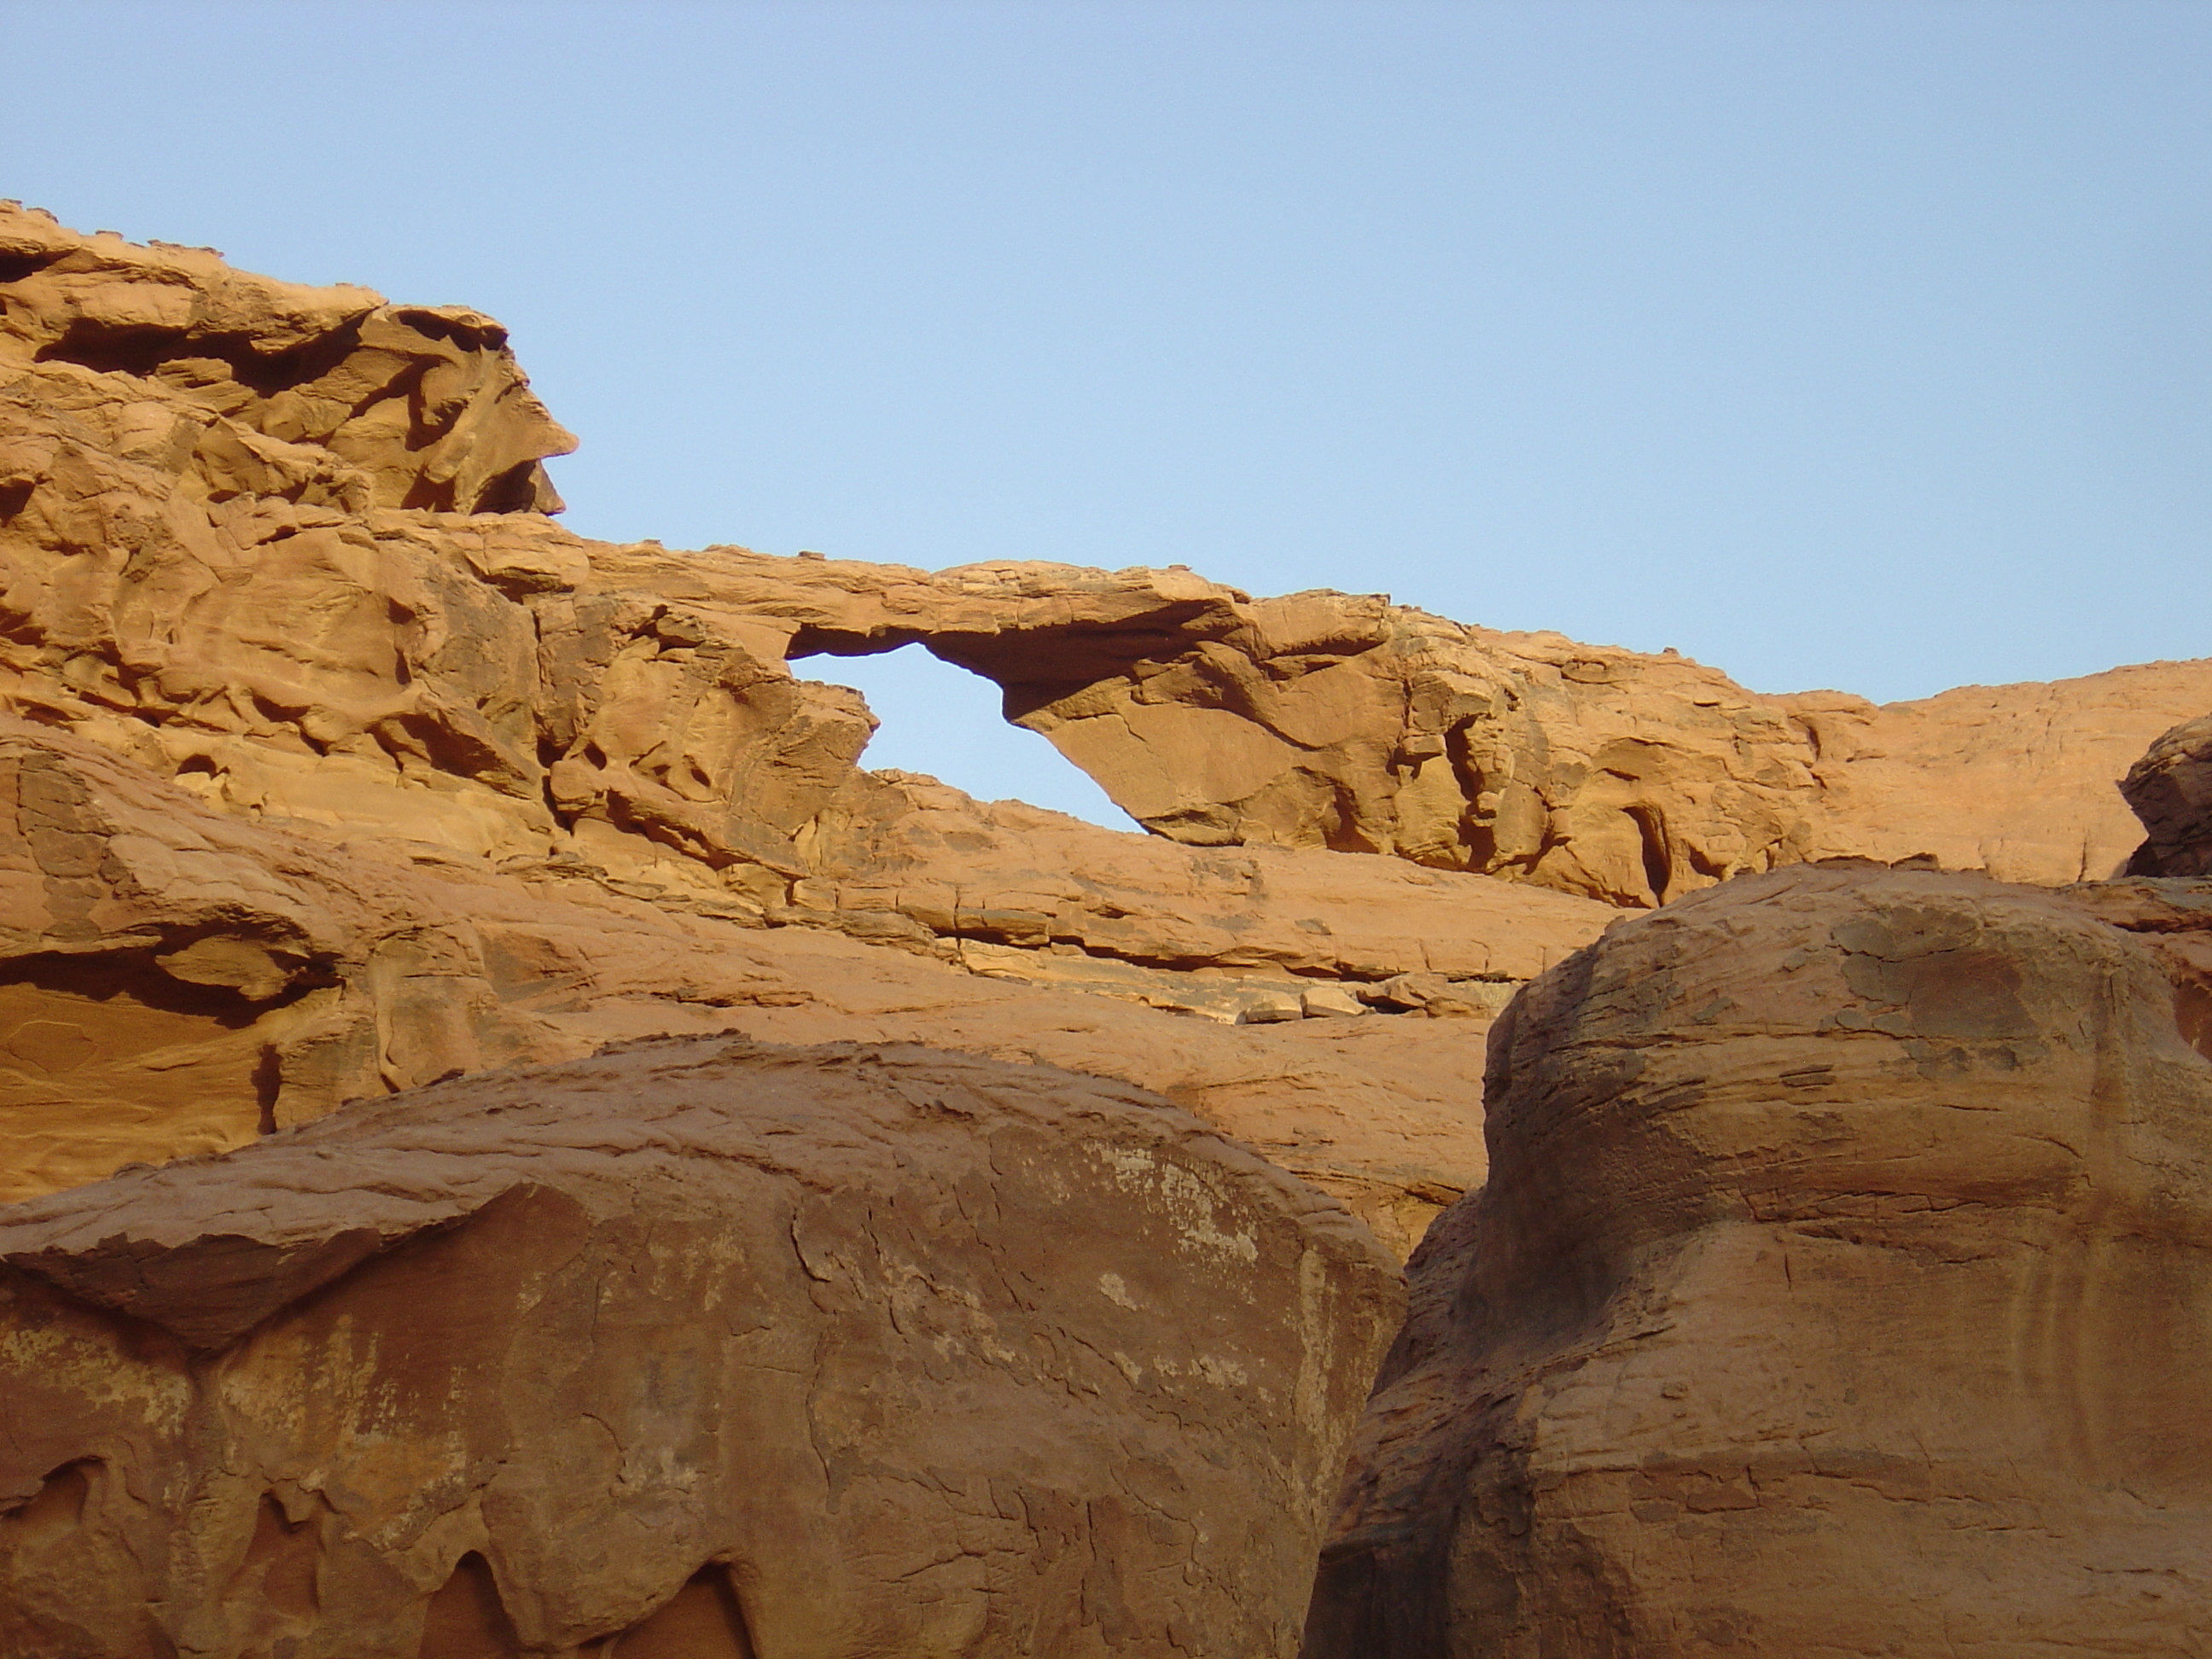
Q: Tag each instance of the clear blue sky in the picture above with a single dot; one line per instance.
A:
(1864, 344)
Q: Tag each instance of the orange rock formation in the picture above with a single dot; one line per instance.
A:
(883, 1351)
(1841, 1285)
(331, 770)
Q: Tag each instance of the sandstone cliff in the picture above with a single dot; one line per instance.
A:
(334, 775)
(278, 547)
(176, 978)
(257, 537)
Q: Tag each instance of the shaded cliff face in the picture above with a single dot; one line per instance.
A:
(878, 1351)
(1849, 1228)
(2171, 790)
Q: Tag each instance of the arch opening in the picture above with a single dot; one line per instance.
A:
(948, 722)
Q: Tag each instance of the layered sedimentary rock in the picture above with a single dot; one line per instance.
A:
(1843, 1284)
(2171, 790)
(255, 543)
(332, 769)
(699, 1348)
(2173, 918)
(256, 537)
(174, 980)
(927, 862)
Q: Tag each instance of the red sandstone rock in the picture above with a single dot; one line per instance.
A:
(313, 393)
(205, 574)
(259, 538)
(174, 980)
(2171, 790)
(1843, 1284)
(875, 1350)
(339, 769)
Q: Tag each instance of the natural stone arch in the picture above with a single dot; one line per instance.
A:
(937, 719)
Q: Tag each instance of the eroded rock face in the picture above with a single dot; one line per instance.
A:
(875, 1350)
(2171, 916)
(330, 766)
(1327, 720)
(1841, 1285)
(904, 848)
(219, 567)
(2171, 790)
(174, 980)
(280, 544)
(475, 736)
(318, 395)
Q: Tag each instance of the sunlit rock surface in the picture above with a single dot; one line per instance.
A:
(875, 1350)
(333, 770)
(1843, 1284)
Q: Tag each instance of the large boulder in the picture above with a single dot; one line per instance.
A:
(1842, 1285)
(2170, 789)
(695, 1347)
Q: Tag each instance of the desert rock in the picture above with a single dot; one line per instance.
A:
(845, 1351)
(267, 388)
(332, 770)
(1003, 874)
(263, 539)
(2170, 789)
(174, 980)
(220, 568)
(1840, 1284)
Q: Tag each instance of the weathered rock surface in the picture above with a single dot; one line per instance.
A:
(700, 1347)
(174, 980)
(219, 566)
(1064, 896)
(2173, 918)
(2171, 790)
(330, 766)
(1340, 721)
(256, 537)
(265, 388)
(2013, 780)
(1842, 1285)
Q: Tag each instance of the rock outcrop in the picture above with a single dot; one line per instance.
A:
(175, 979)
(2171, 790)
(699, 1348)
(1325, 720)
(1843, 1284)
(278, 543)
(1847, 1227)
(276, 547)
(907, 858)
(245, 387)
